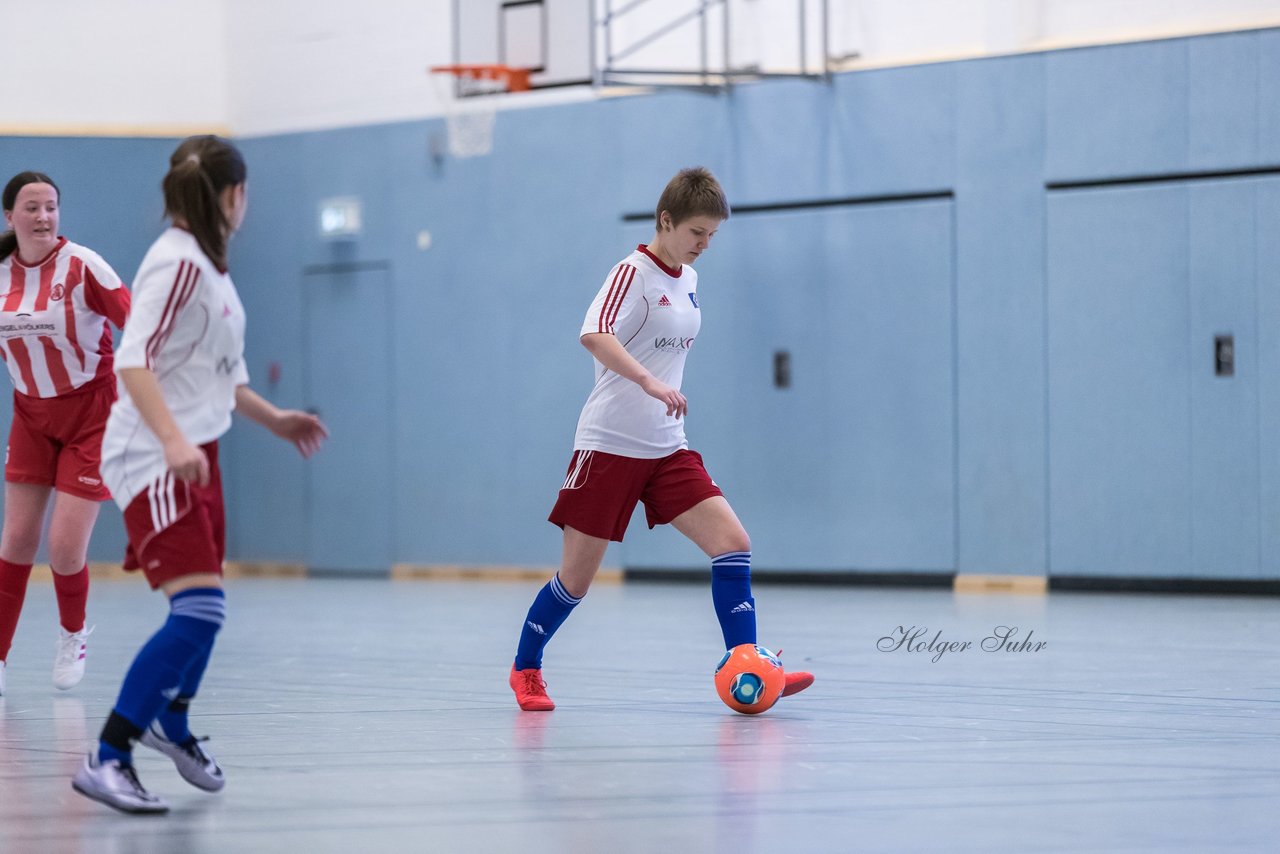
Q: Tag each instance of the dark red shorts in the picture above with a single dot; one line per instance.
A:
(57, 441)
(176, 527)
(601, 490)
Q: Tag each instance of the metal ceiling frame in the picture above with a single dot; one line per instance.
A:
(703, 77)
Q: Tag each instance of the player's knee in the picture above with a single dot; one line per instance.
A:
(20, 546)
(66, 558)
(576, 587)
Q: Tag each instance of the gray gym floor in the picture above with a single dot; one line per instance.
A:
(371, 716)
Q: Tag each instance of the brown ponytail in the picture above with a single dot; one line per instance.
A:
(200, 168)
(9, 240)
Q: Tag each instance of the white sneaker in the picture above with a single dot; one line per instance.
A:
(195, 764)
(115, 785)
(68, 662)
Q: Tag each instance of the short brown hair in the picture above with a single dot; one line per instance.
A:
(692, 192)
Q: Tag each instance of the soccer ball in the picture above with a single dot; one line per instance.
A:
(749, 679)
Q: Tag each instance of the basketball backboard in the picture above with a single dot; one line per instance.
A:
(552, 38)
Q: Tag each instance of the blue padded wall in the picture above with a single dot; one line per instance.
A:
(1119, 407)
(1267, 248)
(1000, 316)
(997, 378)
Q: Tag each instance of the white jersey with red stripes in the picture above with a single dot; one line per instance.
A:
(653, 310)
(187, 326)
(56, 317)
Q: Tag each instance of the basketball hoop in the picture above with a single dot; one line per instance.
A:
(470, 124)
(508, 79)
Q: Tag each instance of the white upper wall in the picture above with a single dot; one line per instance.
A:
(301, 64)
(253, 67)
(113, 66)
(887, 32)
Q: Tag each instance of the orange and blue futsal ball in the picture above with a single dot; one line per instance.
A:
(749, 679)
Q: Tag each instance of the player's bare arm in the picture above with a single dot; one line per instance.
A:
(609, 351)
(304, 430)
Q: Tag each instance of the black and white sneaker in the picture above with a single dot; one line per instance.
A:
(115, 785)
(195, 764)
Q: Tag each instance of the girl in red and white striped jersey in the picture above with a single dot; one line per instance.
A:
(59, 302)
(182, 372)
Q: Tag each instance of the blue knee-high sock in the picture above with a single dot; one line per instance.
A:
(173, 717)
(550, 608)
(157, 674)
(731, 595)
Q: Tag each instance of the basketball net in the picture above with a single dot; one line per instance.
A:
(469, 111)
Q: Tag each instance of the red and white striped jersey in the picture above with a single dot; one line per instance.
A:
(187, 326)
(653, 310)
(55, 319)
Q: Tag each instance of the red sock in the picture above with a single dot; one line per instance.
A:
(13, 590)
(73, 593)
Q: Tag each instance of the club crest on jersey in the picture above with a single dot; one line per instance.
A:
(664, 302)
(56, 292)
(693, 298)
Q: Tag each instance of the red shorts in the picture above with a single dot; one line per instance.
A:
(176, 527)
(57, 441)
(601, 490)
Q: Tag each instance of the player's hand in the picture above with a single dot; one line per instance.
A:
(186, 461)
(304, 430)
(677, 406)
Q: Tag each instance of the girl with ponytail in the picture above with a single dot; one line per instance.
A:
(182, 372)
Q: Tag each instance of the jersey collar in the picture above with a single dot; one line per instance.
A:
(62, 241)
(675, 274)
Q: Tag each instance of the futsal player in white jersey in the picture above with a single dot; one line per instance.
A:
(182, 372)
(630, 444)
(58, 303)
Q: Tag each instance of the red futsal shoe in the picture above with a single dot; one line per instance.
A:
(796, 682)
(531, 691)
